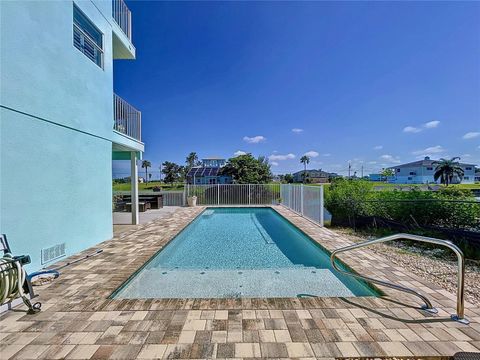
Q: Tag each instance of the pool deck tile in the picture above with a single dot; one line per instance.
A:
(79, 321)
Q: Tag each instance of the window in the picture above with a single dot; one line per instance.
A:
(468, 168)
(430, 168)
(212, 181)
(466, 178)
(413, 173)
(398, 170)
(86, 37)
(409, 178)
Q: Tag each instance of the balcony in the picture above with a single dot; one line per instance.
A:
(127, 119)
(122, 31)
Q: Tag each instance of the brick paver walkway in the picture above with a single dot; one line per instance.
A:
(79, 321)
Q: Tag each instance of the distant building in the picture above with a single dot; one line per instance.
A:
(208, 173)
(422, 171)
(375, 177)
(314, 176)
(379, 177)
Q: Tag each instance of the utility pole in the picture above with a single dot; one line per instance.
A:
(349, 169)
(362, 171)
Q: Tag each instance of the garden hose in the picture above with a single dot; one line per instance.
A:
(12, 278)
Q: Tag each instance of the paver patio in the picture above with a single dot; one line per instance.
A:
(79, 321)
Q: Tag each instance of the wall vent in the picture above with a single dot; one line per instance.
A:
(53, 252)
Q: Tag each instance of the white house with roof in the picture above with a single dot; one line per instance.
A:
(422, 171)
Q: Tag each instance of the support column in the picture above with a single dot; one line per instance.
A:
(134, 187)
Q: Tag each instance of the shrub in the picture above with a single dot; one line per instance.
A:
(346, 199)
(450, 208)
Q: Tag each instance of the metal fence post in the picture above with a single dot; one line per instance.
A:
(218, 194)
(184, 194)
(301, 199)
(321, 206)
(249, 193)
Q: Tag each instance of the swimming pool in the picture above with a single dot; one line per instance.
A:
(240, 252)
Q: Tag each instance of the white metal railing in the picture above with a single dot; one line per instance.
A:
(304, 200)
(235, 194)
(122, 16)
(307, 201)
(127, 119)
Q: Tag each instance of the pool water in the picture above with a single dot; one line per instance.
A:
(240, 252)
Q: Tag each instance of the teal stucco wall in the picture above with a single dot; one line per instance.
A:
(56, 121)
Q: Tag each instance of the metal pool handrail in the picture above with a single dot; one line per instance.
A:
(459, 316)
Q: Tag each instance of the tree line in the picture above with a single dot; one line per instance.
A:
(243, 169)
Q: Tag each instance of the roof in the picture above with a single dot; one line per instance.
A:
(200, 171)
(422, 163)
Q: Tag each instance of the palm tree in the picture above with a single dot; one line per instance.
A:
(145, 165)
(192, 159)
(446, 170)
(305, 160)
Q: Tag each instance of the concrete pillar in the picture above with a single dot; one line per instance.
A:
(134, 187)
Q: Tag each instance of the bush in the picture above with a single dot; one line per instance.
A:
(347, 199)
(450, 208)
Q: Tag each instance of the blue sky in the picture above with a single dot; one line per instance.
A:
(374, 83)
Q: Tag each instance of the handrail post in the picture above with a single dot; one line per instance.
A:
(459, 316)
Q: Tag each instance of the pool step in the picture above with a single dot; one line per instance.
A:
(285, 282)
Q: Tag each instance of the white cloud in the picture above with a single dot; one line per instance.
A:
(431, 124)
(255, 139)
(471, 135)
(378, 147)
(312, 154)
(297, 130)
(372, 162)
(239, 152)
(390, 159)
(430, 150)
(274, 163)
(411, 129)
(281, 157)
(327, 154)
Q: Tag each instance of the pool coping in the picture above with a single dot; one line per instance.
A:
(78, 303)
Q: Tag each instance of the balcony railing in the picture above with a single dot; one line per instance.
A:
(123, 17)
(127, 119)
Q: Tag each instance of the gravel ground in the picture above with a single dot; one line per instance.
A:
(438, 266)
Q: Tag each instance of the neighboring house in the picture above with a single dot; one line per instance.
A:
(314, 176)
(422, 171)
(208, 173)
(62, 124)
(477, 175)
(376, 177)
(379, 177)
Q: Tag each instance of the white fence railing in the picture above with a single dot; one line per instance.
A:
(123, 17)
(307, 201)
(235, 194)
(127, 119)
(304, 200)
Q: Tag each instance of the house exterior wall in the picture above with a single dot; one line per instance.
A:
(424, 175)
(56, 129)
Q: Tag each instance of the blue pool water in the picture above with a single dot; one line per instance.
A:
(240, 252)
